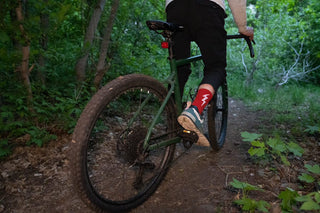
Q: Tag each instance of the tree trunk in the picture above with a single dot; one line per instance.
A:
(82, 62)
(25, 72)
(101, 66)
(44, 27)
(24, 69)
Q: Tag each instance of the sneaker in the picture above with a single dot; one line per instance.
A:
(190, 120)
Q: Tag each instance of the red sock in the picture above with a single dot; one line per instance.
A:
(202, 99)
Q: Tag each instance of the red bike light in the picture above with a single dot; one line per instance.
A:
(165, 45)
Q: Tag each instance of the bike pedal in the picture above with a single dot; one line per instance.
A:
(188, 137)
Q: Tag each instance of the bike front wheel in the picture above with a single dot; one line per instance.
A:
(111, 168)
(217, 117)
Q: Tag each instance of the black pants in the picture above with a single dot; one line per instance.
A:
(204, 23)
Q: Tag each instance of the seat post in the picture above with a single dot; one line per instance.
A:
(170, 42)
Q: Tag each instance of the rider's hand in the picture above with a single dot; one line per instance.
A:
(248, 31)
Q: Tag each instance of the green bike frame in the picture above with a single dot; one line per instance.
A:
(173, 81)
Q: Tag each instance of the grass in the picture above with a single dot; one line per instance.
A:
(295, 105)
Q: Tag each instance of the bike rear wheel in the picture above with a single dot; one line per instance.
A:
(111, 169)
(217, 119)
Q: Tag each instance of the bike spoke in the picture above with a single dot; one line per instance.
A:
(120, 148)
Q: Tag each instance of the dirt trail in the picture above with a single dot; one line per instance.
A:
(37, 179)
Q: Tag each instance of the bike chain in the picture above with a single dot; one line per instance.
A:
(188, 139)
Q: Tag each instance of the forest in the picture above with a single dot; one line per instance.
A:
(55, 54)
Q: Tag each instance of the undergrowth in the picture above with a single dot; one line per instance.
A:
(51, 112)
(292, 112)
(275, 151)
(293, 105)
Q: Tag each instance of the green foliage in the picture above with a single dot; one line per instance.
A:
(245, 187)
(246, 203)
(312, 129)
(251, 205)
(39, 136)
(287, 43)
(271, 149)
(4, 148)
(291, 198)
(295, 106)
(288, 199)
(56, 109)
(281, 27)
(57, 98)
(310, 201)
(249, 137)
(306, 178)
(133, 42)
(314, 169)
(258, 148)
(312, 175)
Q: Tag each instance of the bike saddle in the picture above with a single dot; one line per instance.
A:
(162, 25)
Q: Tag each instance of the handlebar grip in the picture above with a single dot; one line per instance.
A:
(250, 46)
(249, 43)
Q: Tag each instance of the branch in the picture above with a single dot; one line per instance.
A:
(243, 63)
(289, 74)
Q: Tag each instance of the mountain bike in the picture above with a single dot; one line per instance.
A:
(125, 138)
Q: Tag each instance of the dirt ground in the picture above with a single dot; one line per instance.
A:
(37, 179)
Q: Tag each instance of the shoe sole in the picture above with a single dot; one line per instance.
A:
(188, 124)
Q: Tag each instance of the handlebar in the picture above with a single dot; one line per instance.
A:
(167, 29)
(247, 40)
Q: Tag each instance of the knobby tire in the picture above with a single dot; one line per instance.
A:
(107, 144)
(218, 118)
